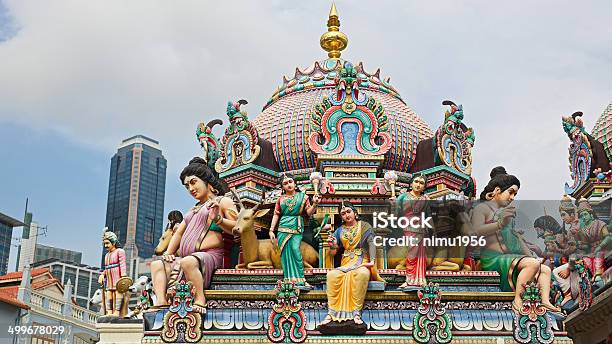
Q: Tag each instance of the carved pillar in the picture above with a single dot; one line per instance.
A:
(328, 260)
(381, 251)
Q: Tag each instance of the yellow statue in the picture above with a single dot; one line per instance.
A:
(347, 285)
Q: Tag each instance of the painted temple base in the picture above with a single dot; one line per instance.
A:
(240, 304)
(114, 330)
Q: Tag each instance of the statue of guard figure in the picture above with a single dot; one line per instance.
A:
(114, 280)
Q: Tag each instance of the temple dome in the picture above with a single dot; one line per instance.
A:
(285, 119)
(602, 130)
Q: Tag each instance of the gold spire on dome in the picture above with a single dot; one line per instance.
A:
(333, 41)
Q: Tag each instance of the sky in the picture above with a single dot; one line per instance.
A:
(78, 77)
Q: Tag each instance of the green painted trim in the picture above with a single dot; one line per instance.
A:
(444, 168)
(246, 167)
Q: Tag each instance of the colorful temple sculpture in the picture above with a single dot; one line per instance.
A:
(588, 278)
(305, 180)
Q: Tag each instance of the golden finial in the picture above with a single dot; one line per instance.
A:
(333, 41)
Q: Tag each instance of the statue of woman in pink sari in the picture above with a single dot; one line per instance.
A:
(198, 238)
(411, 205)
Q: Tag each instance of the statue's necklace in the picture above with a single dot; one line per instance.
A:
(291, 201)
(349, 233)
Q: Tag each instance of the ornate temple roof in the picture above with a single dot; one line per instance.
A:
(285, 119)
(602, 130)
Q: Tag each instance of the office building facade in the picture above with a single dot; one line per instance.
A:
(136, 193)
(7, 224)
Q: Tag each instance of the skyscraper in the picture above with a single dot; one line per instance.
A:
(6, 234)
(136, 191)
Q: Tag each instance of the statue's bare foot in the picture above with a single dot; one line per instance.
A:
(199, 308)
(404, 285)
(357, 320)
(327, 320)
(566, 299)
(517, 305)
(551, 307)
(155, 308)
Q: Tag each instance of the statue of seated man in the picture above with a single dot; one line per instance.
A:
(506, 251)
(198, 238)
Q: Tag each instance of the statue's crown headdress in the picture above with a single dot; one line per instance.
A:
(583, 204)
(566, 203)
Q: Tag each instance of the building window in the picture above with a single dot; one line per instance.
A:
(148, 231)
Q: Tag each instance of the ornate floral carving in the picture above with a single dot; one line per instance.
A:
(378, 188)
(287, 321)
(181, 325)
(366, 131)
(531, 325)
(431, 323)
(326, 187)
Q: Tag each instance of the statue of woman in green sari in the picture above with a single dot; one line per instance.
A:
(290, 208)
(505, 250)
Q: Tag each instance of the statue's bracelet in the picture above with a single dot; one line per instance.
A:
(218, 219)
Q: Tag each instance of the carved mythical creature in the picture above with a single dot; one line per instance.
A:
(209, 142)
(585, 152)
(349, 122)
(454, 141)
(239, 145)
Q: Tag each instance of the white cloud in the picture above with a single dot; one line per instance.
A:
(102, 71)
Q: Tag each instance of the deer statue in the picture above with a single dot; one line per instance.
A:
(262, 253)
(164, 241)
